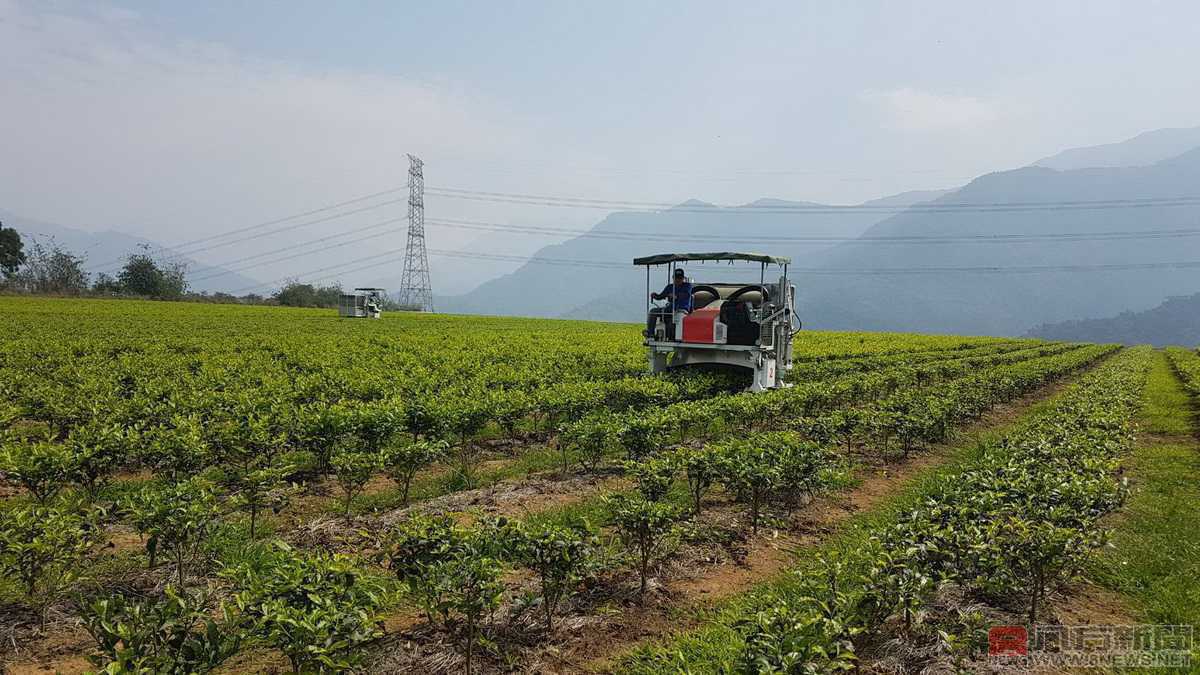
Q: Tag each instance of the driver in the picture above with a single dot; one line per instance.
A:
(679, 292)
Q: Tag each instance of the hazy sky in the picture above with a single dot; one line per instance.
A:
(179, 119)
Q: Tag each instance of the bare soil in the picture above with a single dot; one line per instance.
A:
(516, 498)
(607, 619)
(1084, 603)
(60, 648)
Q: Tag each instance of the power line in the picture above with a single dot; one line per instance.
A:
(226, 270)
(373, 226)
(184, 249)
(322, 209)
(176, 251)
(381, 263)
(509, 165)
(816, 209)
(434, 252)
(1110, 235)
(1020, 269)
(473, 255)
(813, 271)
(623, 235)
(322, 269)
(984, 269)
(287, 228)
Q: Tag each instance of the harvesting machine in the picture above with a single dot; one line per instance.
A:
(363, 303)
(745, 324)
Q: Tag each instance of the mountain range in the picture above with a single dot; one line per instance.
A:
(615, 294)
(105, 251)
(1010, 302)
(1174, 322)
(1141, 150)
(1047, 261)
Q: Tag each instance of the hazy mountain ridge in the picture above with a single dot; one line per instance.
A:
(1141, 150)
(1174, 322)
(102, 251)
(835, 293)
(1012, 303)
(616, 294)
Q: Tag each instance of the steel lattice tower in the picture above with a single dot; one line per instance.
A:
(415, 290)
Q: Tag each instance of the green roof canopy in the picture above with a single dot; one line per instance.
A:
(664, 258)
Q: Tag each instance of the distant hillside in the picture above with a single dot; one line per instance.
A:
(99, 248)
(1011, 303)
(1141, 150)
(915, 285)
(1174, 322)
(834, 295)
(616, 294)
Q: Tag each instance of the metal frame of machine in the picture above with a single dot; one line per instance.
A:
(742, 325)
(363, 303)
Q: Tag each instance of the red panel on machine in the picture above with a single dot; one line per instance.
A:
(698, 326)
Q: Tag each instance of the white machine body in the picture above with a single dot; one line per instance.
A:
(363, 303)
(748, 326)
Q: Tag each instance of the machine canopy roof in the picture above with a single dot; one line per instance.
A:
(664, 258)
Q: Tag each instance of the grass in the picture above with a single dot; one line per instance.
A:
(1154, 561)
(1167, 408)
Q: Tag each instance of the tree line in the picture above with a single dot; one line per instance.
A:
(49, 269)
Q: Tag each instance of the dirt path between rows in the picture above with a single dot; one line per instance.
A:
(601, 630)
(1086, 601)
(812, 525)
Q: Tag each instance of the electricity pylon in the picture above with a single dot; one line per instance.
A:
(415, 290)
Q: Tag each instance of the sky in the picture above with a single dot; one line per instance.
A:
(182, 120)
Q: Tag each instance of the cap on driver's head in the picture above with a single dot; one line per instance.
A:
(678, 272)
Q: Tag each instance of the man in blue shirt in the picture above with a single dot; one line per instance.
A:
(680, 292)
